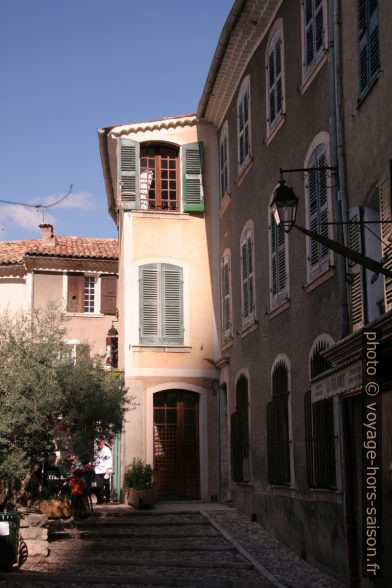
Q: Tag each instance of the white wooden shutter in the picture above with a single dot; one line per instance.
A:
(356, 292)
(314, 30)
(386, 234)
(317, 191)
(226, 298)
(128, 164)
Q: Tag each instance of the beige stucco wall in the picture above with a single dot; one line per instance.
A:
(13, 294)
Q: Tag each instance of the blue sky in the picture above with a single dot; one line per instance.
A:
(68, 67)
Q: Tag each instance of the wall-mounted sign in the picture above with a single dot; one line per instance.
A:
(4, 528)
(336, 383)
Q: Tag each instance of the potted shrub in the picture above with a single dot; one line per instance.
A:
(139, 484)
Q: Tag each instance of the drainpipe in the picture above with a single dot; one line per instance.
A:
(338, 153)
(338, 157)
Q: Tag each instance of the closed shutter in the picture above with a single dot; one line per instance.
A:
(275, 81)
(226, 297)
(368, 43)
(161, 304)
(278, 262)
(149, 304)
(192, 177)
(75, 293)
(108, 294)
(128, 157)
(355, 272)
(247, 278)
(386, 233)
(172, 304)
(317, 190)
(314, 30)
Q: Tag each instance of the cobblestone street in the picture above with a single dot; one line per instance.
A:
(177, 544)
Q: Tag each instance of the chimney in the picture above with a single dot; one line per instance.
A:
(47, 233)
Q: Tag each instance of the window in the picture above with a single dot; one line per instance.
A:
(223, 161)
(313, 32)
(320, 429)
(278, 260)
(278, 439)
(240, 433)
(243, 116)
(161, 304)
(159, 178)
(368, 44)
(226, 297)
(247, 277)
(149, 177)
(318, 198)
(91, 294)
(275, 80)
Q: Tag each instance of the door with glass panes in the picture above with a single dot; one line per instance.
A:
(176, 445)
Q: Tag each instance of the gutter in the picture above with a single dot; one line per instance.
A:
(220, 50)
(104, 153)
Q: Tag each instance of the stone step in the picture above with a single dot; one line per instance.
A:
(146, 547)
(71, 564)
(117, 524)
(146, 534)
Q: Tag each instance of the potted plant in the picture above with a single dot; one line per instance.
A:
(139, 484)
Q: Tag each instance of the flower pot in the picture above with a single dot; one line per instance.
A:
(141, 498)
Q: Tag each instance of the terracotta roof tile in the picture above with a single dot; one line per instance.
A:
(14, 252)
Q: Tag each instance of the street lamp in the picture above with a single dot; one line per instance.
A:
(284, 208)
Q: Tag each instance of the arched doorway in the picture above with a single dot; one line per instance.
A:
(176, 445)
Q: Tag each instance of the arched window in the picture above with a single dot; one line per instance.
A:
(240, 432)
(320, 427)
(278, 263)
(159, 178)
(278, 436)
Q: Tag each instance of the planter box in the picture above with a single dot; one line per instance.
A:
(141, 498)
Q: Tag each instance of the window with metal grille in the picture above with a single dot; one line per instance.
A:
(243, 115)
(317, 192)
(223, 161)
(226, 297)
(278, 258)
(314, 32)
(159, 178)
(320, 430)
(161, 304)
(275, 80)
(278, 439)
(247, 277)
(368, 44)
(240, 431)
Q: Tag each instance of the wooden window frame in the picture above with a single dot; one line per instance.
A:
(157, 202)
(278, 427)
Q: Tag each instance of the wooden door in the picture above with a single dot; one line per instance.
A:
(176, 445)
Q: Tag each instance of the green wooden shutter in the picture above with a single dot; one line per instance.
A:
(356, 276)
(172, 323)
(128, 158)
(192, 177)
(149, 295)
(386, 232)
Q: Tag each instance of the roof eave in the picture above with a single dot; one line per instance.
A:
(104, 153)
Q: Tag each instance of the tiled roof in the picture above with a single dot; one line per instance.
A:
(14, 252)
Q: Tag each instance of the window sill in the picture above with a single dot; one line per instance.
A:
(86, 314)
(283, 490)
(158, 214)
(318, 280)
(281, 307)
(273, 131)
(249, 328)
(227, 343)
(310, 75)
(243, 171)
(162, 348)
(326, 495)
(224, 204)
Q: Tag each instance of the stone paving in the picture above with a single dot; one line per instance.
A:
(191, 544)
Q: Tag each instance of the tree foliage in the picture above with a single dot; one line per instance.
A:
(42, 389)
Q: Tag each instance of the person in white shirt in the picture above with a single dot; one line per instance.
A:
(103, 471)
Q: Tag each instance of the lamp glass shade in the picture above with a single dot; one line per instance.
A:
(284, 206)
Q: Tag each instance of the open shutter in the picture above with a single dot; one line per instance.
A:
(128, 157)
(108, 294)
(172, 295)
(355, 272)
(75, 293)
(149, 304)
(386, 233)
(226, 298)
(192, 177)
